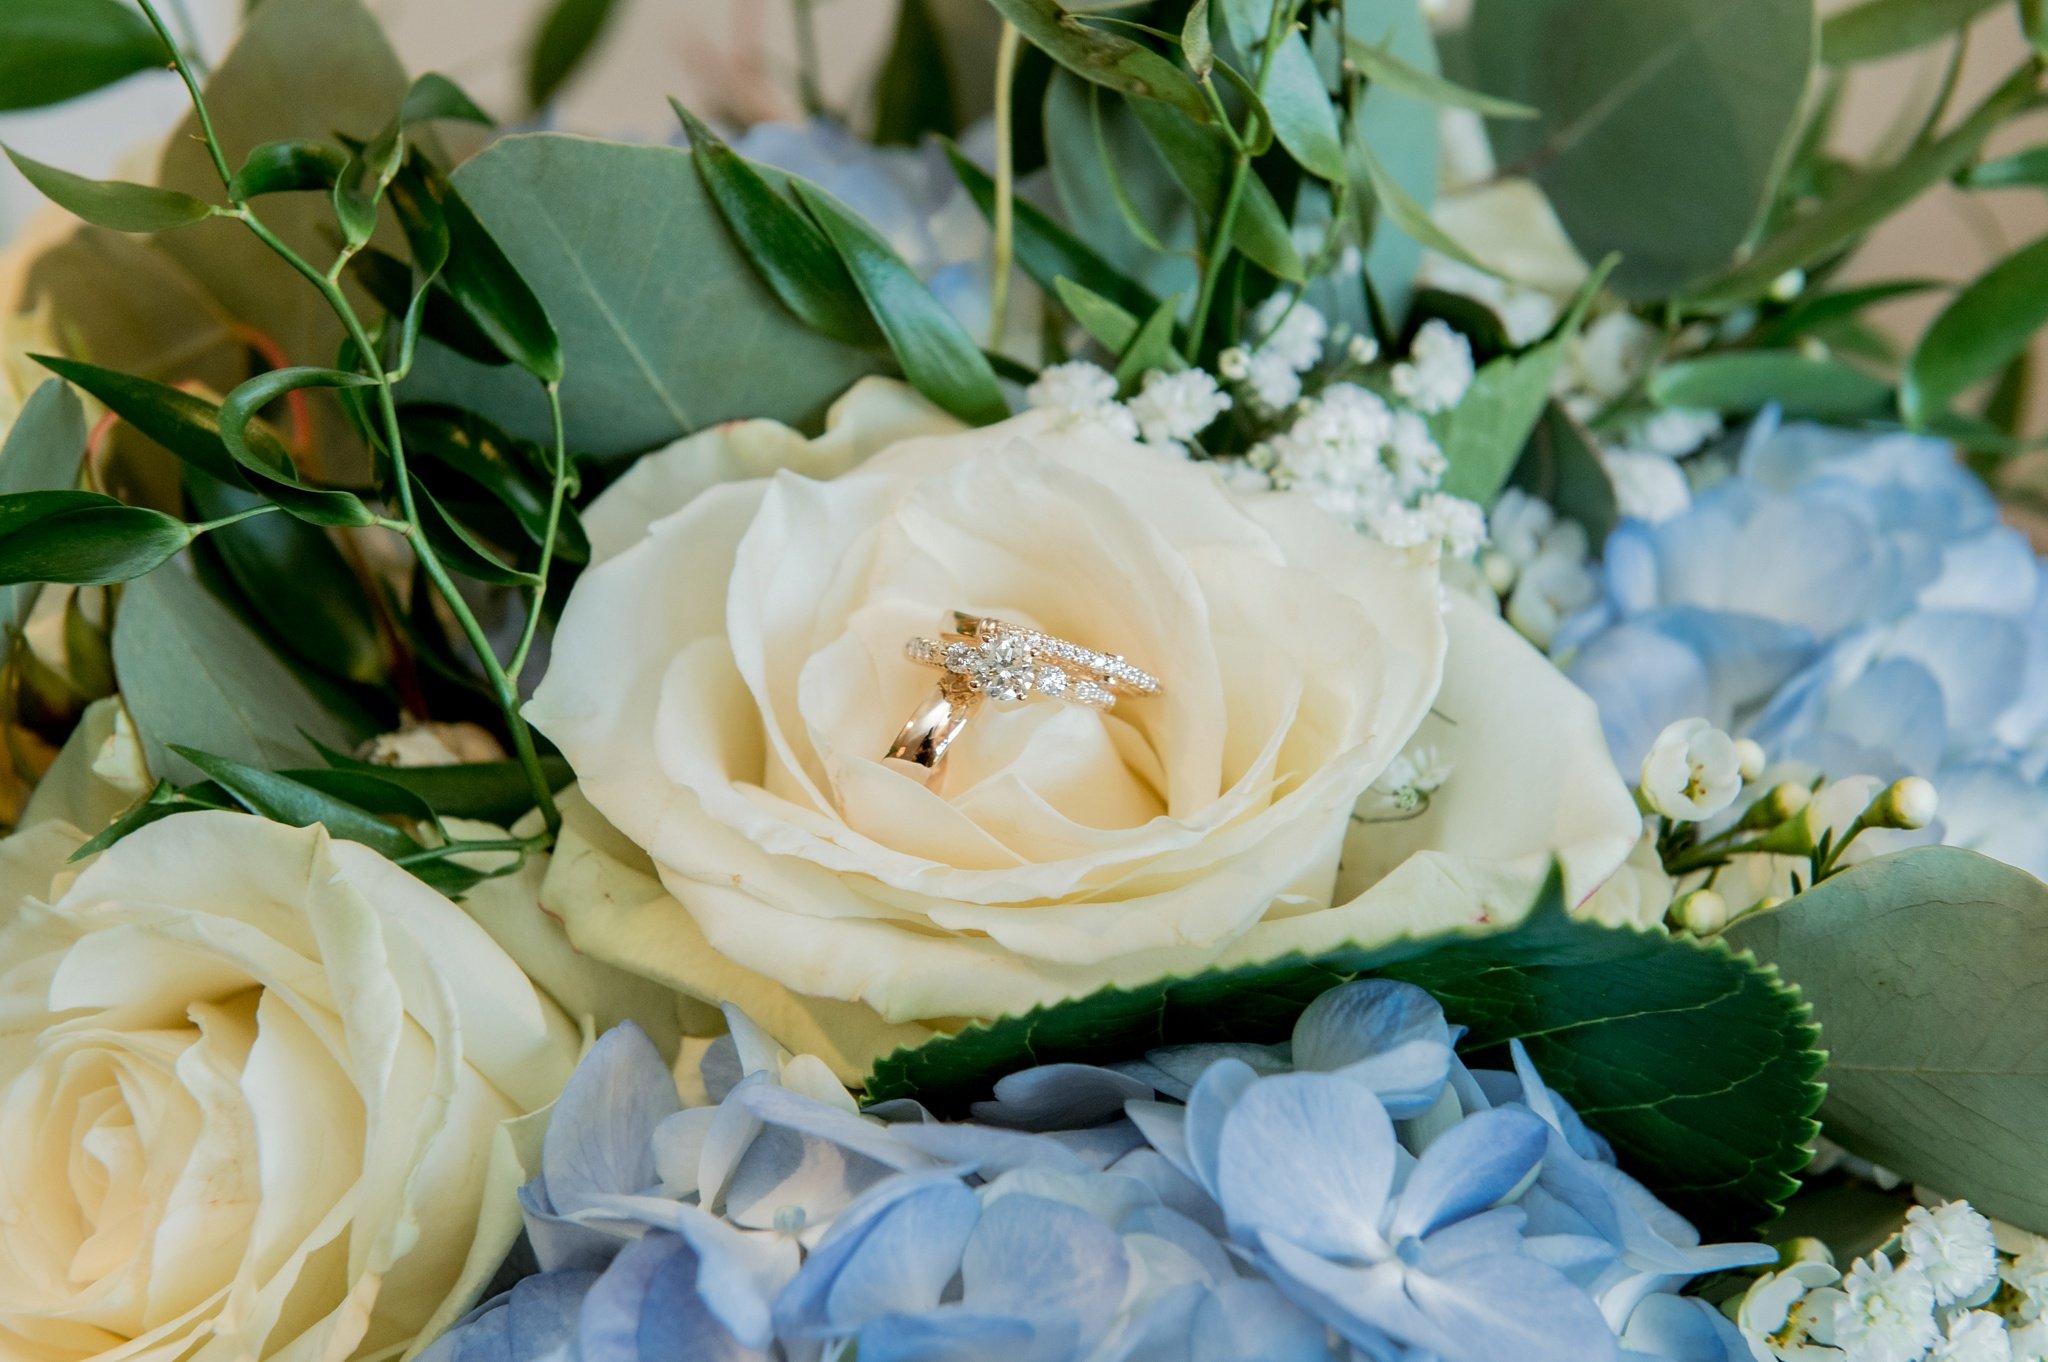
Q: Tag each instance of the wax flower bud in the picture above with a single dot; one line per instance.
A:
(1702, 912)
(1783, 801)
(1908, 804)
(1749, 757)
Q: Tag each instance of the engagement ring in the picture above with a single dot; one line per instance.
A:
(992, 659)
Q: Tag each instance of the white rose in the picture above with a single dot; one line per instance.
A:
(254, 1087)
(726, 681)
(1693, 771)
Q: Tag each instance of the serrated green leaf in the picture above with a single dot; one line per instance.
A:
(83, 538)
(1877, 29)
(939, 359)
(1390, 73)
(790, 252)
(1982, 330)
(1924, 969)
(286, 167)
(54, 50)
(1103, 58)
(1750, 380)
(192, 673)
(1483, 436)
(564, 39)
(1112, 327)
(1299, 105)
(1695, 1062)
(1047, 251)
(114, 204)
(913, 96)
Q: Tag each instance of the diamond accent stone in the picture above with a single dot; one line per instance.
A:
(1052, 681)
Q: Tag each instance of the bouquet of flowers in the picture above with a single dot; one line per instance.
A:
(1316, 693)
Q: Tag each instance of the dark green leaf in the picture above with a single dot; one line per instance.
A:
(2022, 170)
(1663, 126)
(390, 281)
(493, 791)
(565, 38)
(366, 790)
(88, 659)
(1390, 73)
(114, 204)
(1884, 28)
(1114, 191)
(1195, 43)
(1868, 200)
(314, 505)
(188, 426)
(82, 538)
(283, 167)
(1924, 969)
(1696, 1063)
(1979, 333)
(160, 803)
(481, 277)
(1103, 58)
(1750, 380)
(433, 96)
(913, 97)
(1816, 311)
(54, 50)
(41, 452)
(1152, 348)
(191, 672)
(1483, 436)
(1111, 326)
(940, 360)
(1299, 105)
(284, 800)
(671, 328)
(2034, 23)
(1562, 466)
(479, 452)
(1199, 158)
(459, 547)
(1047, 251)
(788, 250)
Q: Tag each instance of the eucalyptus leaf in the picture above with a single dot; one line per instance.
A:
(1696, 1063)
(1484, 435)
(1924, 969)
(1801, 385)
(1981, 331)
(939, 359)
(54, 50)
(1883, 28)
(1407, 213)
(1304, 120)
(566, 36)
(1387, 71)
(83, 538)
(1047, 251)
(1402, 134)
(192, 673)
(1104, 58)
(671, 328)
(1663, 128)
(790, 252)
(114, 204)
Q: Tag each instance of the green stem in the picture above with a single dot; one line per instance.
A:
(190, 32)
(547, 545)
(184, 67)
(207, 526)
(808, 89)
(1007, 52)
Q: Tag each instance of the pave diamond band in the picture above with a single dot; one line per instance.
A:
(992, 659)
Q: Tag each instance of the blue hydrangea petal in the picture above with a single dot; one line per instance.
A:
(905, 1262)
(1469, 1169)
(1208, 1107)
(958, 1335)
(1198, 1241)
(986, 1150)
(1175, 1189)
(1058, 1097)
(1682, 1329)
(1502, 1306)
(600, 1139)
(1182, 1066)
(1041, 1259)
(1310, 1157)
(1642, 680)
(1387, 1035)
(801, 1311)
(1250, 1321)
(646, 1308)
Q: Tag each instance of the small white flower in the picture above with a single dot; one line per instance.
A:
(1274, 382)
(1293, 331)
(1461, 524)
(1676, 432)
(1411, 778)
(1778, 1314)
(1398, 526)
(1692, 772)
(2028, 1276)
(1362, 350)
(1439, 368)
(1887, 1314)
(2029, 1341)
(1954, 1246)
(1647, 487)
(1518, 524)
(1419, 463)
(1242, 475)
(1556, 586)
(1074, 387)
(1974, 1336)
(1235, 364)
(1177, 406)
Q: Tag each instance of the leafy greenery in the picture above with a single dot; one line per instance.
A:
(1924, 969)
(1614, 1020)
(566, 36)
(54, 50)
(1802, 385)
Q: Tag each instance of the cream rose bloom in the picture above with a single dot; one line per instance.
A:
(727, 676)
(255, 1084)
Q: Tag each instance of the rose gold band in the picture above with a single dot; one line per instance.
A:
(932, 728)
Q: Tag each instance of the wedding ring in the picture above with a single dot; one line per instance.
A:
(994, 660)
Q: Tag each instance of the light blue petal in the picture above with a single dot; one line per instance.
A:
(645, 1308)
(1979, 660)
(986, 1150)
(1387, 1035)
(1504, 1306)
(904, 1263)
(1993, 809)
(800, 1311)
(1642, 681)
(1310, 1157)
(738, 1274)
(1468, 1169)
(600, 1139)
(1747, 657)
(1209, 1105)
(1038, 1259)
(1196, 1240)
(957, 1335)
(1059, 1097)
(533, 1321)
(1101, 1146)
(1250, 1321)
(1683, 1329)
(1992, 572)
(1176, 1190)
(1165, 1127)
(1182, 1066)
(1896, 708)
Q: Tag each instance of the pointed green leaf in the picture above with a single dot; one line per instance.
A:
(114, 204)
(186, 425)
(1303, 118)
(1977, 334)
(1877, 29)
(1199, 158)
(315, 505)
(565, 38)
(1104, 58)
(484, 455)
(434, 97)
(284, 167)
(2026, 169)
(1407, 214)
(1151, 348)
(1047, 251)
(1404, 137)
(82, 538)
(462, 550)
(284, 800)
(913, 95)
(493, 791)
(482, 278)
(1390, 73)
(1750, 380)
(54, 50)
(1112, 327)
(159, 804)
(1818, 311)
(940, 360)
(1483, 436)
(41, 452)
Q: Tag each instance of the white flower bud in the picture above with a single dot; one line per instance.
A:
(1749, 757)
(1234, 364)
(1692, 772)
(1499, 571)
(1362, 349)
(1702, 912)
(1785, 800)
(1788, 286)
(1909, 803)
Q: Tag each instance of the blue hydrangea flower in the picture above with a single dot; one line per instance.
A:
(1353, 1193)
(1852, 602)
